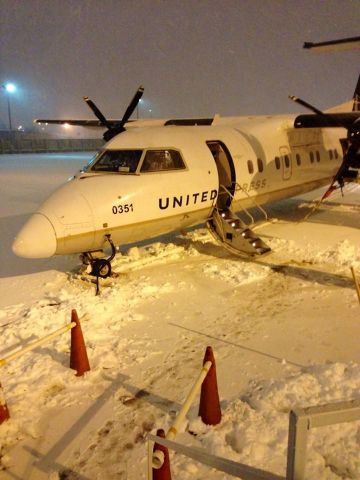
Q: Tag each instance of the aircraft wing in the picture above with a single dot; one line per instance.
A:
(333, 120)
(77, 123)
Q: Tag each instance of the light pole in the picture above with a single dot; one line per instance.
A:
(9, 89)
(138, 108)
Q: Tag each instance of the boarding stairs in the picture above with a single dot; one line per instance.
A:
(233, 232)
(235, 235)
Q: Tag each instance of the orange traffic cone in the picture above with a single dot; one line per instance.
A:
(209, 409)
(162, 473)
(4, 411)
(78, 356)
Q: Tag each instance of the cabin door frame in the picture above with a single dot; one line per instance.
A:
(226, 172)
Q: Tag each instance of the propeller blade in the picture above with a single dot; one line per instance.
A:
(132, 105)
(334, 45)
(97, 112)
(306, 105)
(331, 119)
(119, 127)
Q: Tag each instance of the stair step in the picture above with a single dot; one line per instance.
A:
(235, 235)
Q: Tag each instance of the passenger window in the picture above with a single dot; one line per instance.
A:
(260, 165)
(162, 160)
(331, 156)
(298, 160)
(311, 157)
(277, 163)
(336, 154)
(317, 156)
(250, 166)
(287, 161)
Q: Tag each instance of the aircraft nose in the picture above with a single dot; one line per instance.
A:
(36, 239)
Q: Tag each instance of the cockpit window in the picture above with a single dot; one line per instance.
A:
(160, 160)
(121, 161)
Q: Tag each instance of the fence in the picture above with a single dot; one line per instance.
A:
(78, 355)
(300, 422)
(48, 145)
(230, 467)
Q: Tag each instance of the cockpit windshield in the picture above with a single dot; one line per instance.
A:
(160, 160)
(120, 161)
(129, 161)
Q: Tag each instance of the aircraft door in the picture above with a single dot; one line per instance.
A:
(286, 166)
(226, 172)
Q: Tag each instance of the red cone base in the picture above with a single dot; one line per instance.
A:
(162, 473)
(4, 411)
(78, 356)
(209, 410)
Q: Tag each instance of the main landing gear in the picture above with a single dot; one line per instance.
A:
(100, 267)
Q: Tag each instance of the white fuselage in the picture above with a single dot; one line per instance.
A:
(264, 157)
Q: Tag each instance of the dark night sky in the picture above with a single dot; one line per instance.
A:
(194, 57)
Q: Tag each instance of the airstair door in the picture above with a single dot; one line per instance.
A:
(224, 224)
(226, 171)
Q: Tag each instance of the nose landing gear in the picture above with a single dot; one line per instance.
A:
(100, 267)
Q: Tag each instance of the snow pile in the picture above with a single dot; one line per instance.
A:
(254, 429)
(196, 243)
(236, 273)
(159, 253)
(41, 380)
(342, 254)
(339, 255)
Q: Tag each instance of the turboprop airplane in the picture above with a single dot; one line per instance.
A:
(157, 176)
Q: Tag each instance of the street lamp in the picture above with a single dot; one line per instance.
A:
(138, 108)
(9, 89)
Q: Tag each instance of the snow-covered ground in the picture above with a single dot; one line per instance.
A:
(284, 330)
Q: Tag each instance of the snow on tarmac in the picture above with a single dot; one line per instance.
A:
(284, 330)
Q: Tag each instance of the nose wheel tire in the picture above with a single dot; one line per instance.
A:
(101, 268)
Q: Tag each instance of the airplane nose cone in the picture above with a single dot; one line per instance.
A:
(36, 239)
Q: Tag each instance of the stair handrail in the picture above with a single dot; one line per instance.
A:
(216, 210)
(245, 210)
(262, 210)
